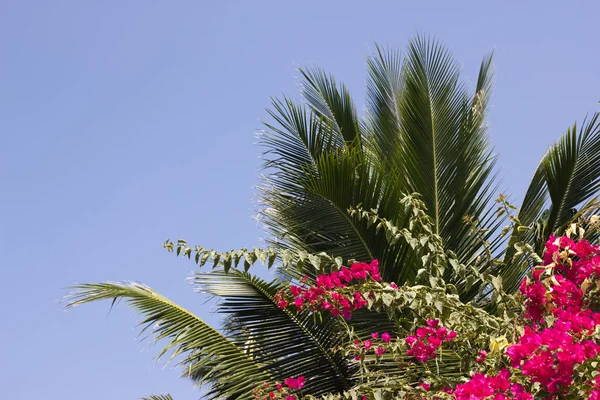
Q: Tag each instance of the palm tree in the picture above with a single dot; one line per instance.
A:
(424, 132)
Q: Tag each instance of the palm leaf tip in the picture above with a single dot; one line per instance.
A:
(158, 397)
(207, 356)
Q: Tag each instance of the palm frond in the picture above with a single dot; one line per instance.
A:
(573, 171)
(567, 177)
(384, 88)
(297, 208)
(335, 104)
(285, 342)
(445, 151)
(208, 357)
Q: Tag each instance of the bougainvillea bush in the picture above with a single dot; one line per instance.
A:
(548, 348)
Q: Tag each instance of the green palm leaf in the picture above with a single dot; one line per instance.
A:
(444, 147)
(285, 342)
(208, 356)
(335, 105)
(297, 209)
(573, 170)
(567, 177)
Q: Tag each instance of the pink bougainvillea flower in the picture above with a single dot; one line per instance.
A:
(299, 302)
(427, 340)
(294, 383)
(345, 275)
(282, 304)
(433, 323)
(295, 290)
(347, 314)
(359, 270)
(481, 387)
(481, 357)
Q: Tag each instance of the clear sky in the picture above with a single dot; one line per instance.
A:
(124, 123)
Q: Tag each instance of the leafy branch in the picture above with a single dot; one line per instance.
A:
(320, 262)
(421, 237)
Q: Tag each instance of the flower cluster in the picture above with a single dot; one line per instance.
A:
(549, 356)
(295, 383)
(497, 387)
(481, 356)
(280, 391)
(325, 294)
(595, 393)
(424, 344)
(560, 337)
(379, 349)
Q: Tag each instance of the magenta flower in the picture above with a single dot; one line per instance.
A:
(359, 271)
(424, 344)
(345, 275)
(481, 357)
(295, 383)
(299, 302)
(433, 323)
(295, 290)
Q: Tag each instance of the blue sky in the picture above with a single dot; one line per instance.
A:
(124, 123)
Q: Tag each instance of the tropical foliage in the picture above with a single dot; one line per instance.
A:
(547, 346)
(341, 187)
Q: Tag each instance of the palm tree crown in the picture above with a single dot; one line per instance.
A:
(424, 132)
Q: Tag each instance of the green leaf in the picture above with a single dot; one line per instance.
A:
(315, 260)
(338, 262)
(387, 299)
